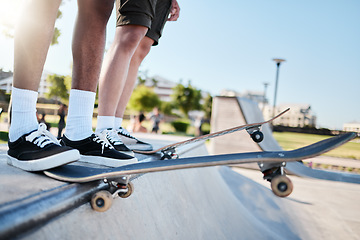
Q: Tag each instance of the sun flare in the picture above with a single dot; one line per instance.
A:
(9, 12)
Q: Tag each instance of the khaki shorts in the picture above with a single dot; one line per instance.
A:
(152, 14)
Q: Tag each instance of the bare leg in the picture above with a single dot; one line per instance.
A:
(116, 66)
(31, 147)
(33, 36)
(88, 50)
(140, 53)
(32, 40)
(89, 42)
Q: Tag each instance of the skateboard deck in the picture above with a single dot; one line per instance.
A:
(118, 178)
(253, 129)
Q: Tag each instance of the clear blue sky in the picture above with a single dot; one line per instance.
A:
(230, 45)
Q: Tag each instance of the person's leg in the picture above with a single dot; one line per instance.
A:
(88, 48)
(153, 35)
(31, 146)
(112, 80)
(162, 10)
(141, 52)
(33, 36)
(116, 66)
(133, 20)
(32, 39)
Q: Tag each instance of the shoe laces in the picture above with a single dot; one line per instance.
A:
(42, 137)
(113, 137)
(101, 139)
(124, 132)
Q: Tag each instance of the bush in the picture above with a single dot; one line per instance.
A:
(4, 136)
(180, 125)
(205, 128)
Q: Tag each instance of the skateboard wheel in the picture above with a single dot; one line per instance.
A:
(257, 136)
(281, 186)
(101, 201)
(130, 190)
(165, 156)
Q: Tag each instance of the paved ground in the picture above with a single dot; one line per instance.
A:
(325, 209)
(206, 203)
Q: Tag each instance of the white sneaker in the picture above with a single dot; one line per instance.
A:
(132, 142)
(113, 138)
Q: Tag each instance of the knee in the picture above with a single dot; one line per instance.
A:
(104, 9)
(142, 51)
(96, 12)
(130, 37)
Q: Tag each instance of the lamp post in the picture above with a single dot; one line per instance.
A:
(278, 62)
(264, 100)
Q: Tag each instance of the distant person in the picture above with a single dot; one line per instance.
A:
(138, 127)
(61, 125)
(156, 118)
(131, 125)
(198, 124)
(42, 120)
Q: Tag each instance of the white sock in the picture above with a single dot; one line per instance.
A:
(23, 110)
(118, 122)
(104, 122)
(79, 120)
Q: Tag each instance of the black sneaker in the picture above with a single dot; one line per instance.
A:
(115, 141)
(96, 149)
(132, 142)
(39, 150)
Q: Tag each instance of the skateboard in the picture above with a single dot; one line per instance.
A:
(119, 178)
(169, 151)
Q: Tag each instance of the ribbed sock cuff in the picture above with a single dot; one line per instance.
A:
(79, 120)
(23, 112)
(117, 122)
(104, 122)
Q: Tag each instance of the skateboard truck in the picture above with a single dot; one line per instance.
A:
(102, 200)
(255, 133)
(281, 185)
(169, 153)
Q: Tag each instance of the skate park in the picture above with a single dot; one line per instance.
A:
(203, 203)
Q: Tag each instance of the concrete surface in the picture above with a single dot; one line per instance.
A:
(231, 111)
(183, 204)
(324, 209)
(204, 203)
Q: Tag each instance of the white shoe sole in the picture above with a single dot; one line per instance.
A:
(140, 147)
(109, 162)
(45, 163)
(130, 153)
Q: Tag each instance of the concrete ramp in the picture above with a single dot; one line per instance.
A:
(205, 203)
(244, 111)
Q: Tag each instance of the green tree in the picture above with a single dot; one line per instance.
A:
(207, 106)
(143, 99)
(186, 98)
(141, 81)
(166, 107)
(58, 88)
(155, 82)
